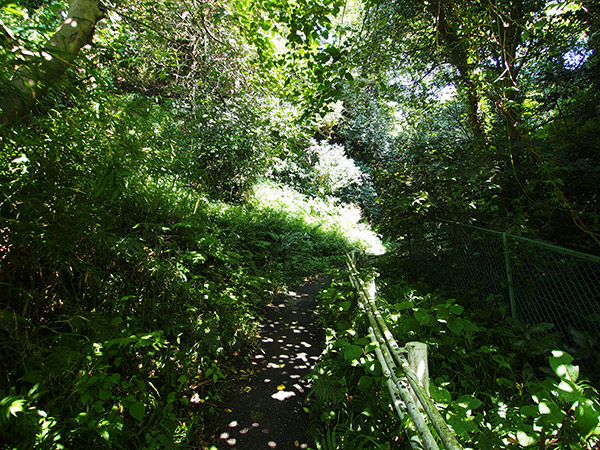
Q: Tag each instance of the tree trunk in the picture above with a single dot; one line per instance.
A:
(457, 51)
(509, 37)
(39, 69)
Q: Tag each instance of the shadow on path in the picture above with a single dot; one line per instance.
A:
(267, 412)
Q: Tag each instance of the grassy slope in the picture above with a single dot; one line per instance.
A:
(121, 308)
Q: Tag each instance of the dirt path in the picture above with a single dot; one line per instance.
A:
(267, 411)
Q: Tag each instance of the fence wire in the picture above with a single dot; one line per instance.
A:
(533, 281)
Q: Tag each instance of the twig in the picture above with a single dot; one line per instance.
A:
(209, 34)
(139, 22)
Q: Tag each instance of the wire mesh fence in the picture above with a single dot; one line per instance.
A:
(533, 281)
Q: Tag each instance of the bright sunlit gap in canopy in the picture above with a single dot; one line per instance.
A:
(327, 214)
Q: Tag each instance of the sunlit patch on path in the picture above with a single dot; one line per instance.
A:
(268, 412)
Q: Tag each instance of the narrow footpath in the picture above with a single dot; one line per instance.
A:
(266, 412)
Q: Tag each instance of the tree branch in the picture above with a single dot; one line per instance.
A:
(6, 38)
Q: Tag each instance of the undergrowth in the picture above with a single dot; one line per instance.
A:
(349, 407)
(499, 384)
(127, 298)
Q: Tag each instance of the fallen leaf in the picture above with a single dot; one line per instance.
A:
(281, 387)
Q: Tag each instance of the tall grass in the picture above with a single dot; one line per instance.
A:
(125, 309)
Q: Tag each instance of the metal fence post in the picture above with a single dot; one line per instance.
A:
(509, 277)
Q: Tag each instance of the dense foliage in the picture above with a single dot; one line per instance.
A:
(475, 111)
(136, 249)
(170, 165)
(498, 384)
(125, 296)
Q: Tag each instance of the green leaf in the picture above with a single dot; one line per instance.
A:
(352, 352)
(455, 324)
(442, 314)
(501, 361)
(373, 368)
(116, 321)
(561, 365)
(530, 411)
(14, 405)
(111, 380)
(456, 309)
(12, 9)
(525, 440)
(423, 316)
(568, 391)
(403, 305)
(550, 412)
(468, 402)
(345, 306)
(541, 328)
(365, 382)
(586, 418)
(408, 325)
(440, 394)
(104, 394)
(469, 326)
(137, 410)
(371, 346)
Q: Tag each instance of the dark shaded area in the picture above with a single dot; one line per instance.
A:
(266, 411)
